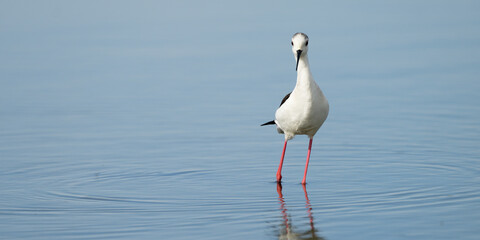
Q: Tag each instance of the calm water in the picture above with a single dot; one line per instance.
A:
(122, 120)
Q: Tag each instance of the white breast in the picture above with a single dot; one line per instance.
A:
(304, 111)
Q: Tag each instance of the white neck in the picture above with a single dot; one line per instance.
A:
(304, 76)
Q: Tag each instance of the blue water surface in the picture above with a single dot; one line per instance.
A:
(140, 120)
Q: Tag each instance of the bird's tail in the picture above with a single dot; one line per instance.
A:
(268, 123)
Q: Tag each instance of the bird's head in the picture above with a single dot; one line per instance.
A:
(299, 46)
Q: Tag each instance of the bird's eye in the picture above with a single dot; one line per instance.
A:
(292, 43)
(306, 43)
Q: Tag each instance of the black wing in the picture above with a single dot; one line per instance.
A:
(269, 123)
(283, 100)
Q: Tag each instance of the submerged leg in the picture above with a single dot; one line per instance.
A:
(279, 172)
(304, 181)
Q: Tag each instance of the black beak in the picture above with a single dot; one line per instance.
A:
(299, 52)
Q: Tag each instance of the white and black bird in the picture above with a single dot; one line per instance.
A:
(303, 111)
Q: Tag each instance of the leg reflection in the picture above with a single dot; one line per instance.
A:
(288, 231)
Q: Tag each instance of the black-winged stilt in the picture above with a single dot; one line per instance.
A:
(303, 111)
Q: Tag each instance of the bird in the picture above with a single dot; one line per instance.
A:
(305, 109)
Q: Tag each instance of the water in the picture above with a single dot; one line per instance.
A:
(127, 120)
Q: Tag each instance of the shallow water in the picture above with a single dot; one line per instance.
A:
(110, 128)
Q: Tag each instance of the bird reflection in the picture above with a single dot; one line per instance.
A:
(288, 231)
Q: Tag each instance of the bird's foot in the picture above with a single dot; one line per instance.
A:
(279, 178)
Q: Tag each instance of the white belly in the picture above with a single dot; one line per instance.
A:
(303, 113)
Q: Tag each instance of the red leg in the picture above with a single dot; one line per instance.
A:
(279, 172)
(304, 181)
